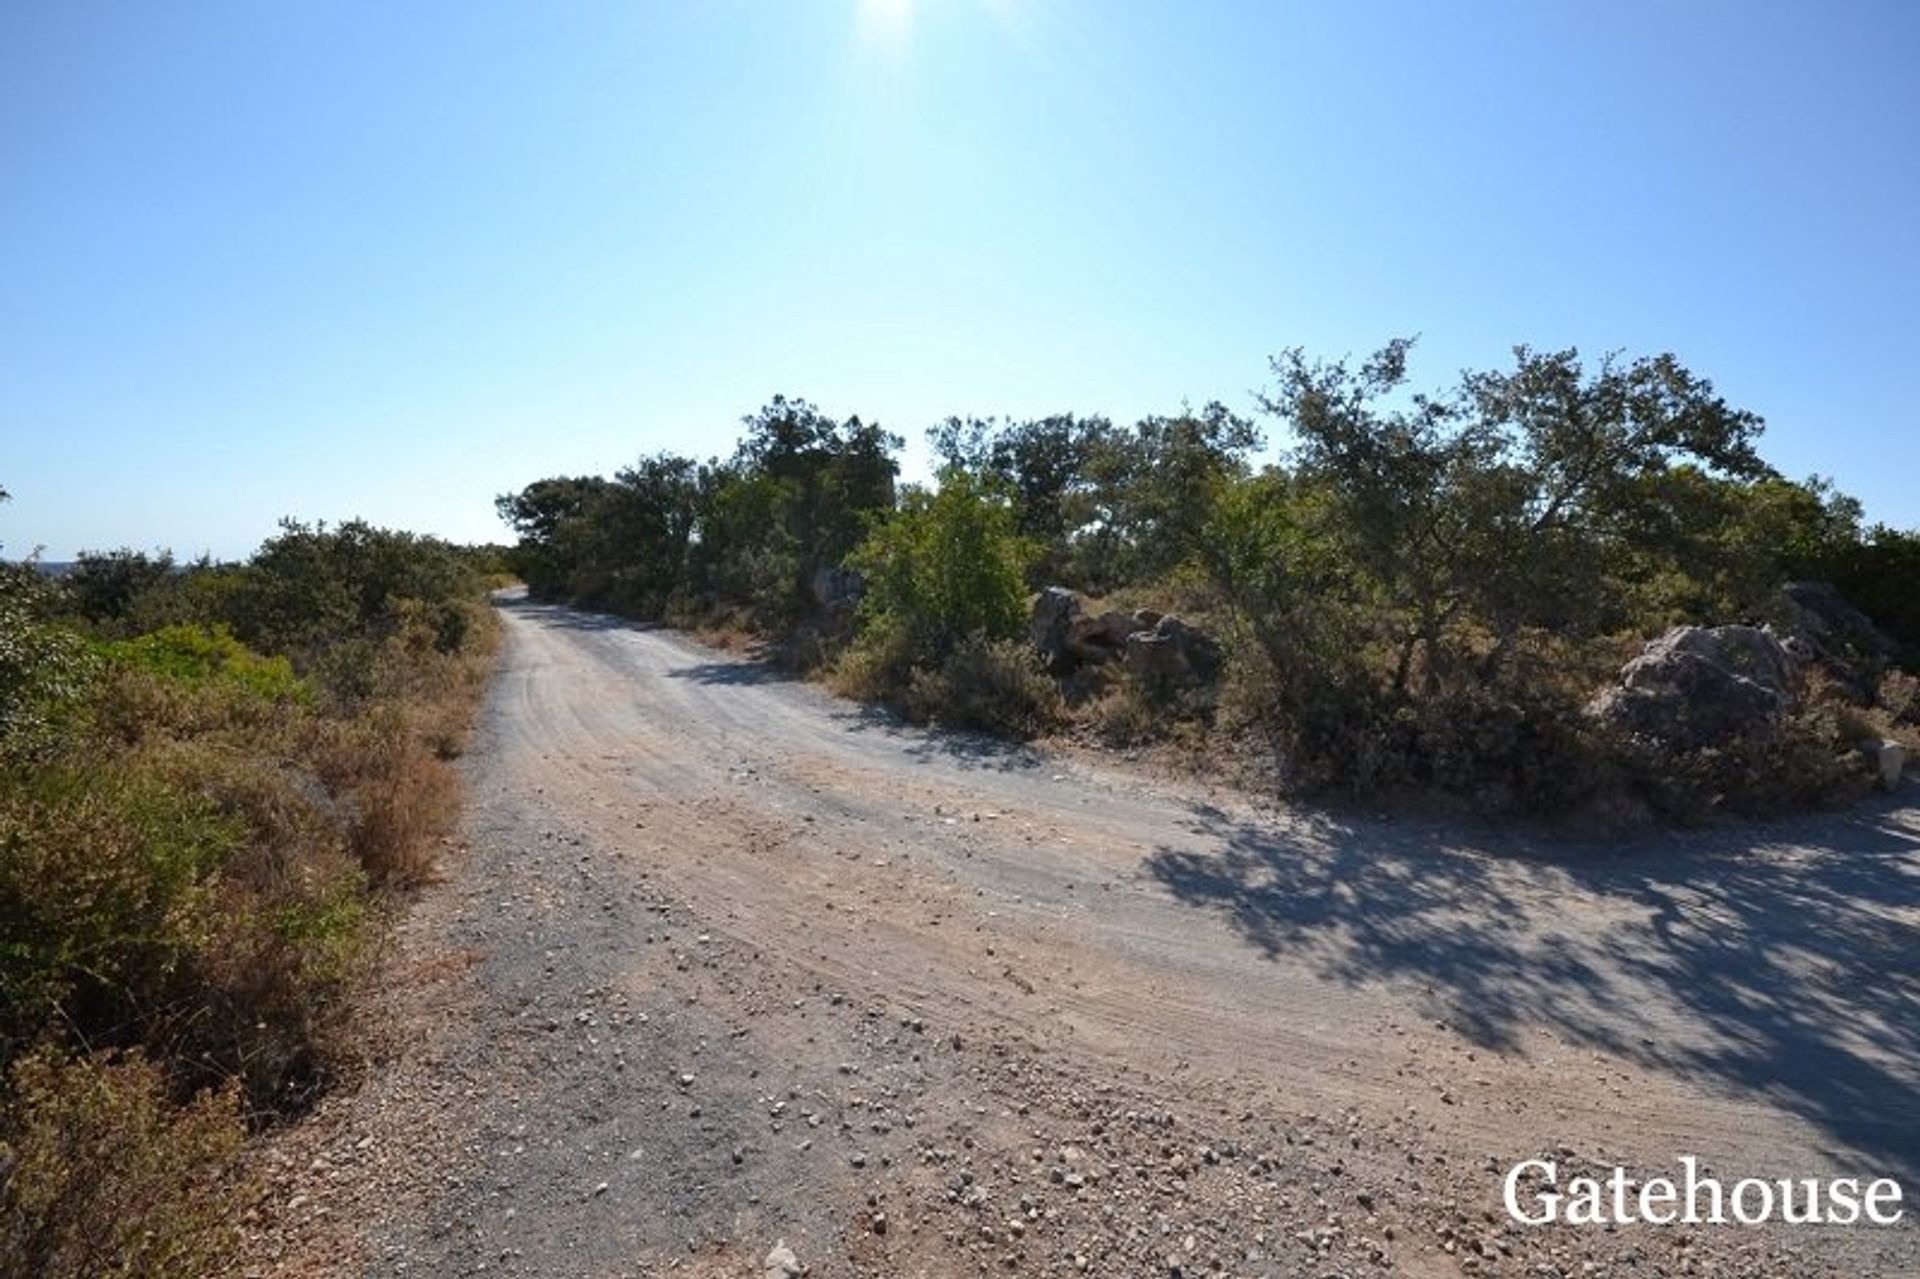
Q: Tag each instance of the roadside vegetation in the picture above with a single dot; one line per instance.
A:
(1416, 592)
(211, 777)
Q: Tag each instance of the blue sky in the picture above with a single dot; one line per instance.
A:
(324, 260)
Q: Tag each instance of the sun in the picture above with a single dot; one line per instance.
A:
(892, 17)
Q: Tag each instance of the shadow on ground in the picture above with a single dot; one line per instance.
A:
(1778, 961)
(743, 672)
(566, 618)
(926, 745)
(735, 671)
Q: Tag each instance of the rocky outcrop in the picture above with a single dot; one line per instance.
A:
(1097, 640)
(1700, 685)
(1171, 652)
(1067, 637)
(1054, 611)
(1822, 614)
(1151, 644)
(1852, 651)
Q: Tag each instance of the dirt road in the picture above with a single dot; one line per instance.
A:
(729, 962)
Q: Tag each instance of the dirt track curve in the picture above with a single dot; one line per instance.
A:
(729, 962)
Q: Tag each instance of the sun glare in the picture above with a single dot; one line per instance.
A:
(886, 20)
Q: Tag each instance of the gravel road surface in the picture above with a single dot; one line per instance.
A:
(736, 978)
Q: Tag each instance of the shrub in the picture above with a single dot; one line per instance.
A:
(948, 567)
(876, 668)
(994, 685)
(1796, 766)
(128, 707)
(312, 587)
(1900, 696)
(1514, 747)
(194, 895)
(188, 831)
(105, 587)
(1125, 715)
(198, 655)
(1810, 758)
(105, 887)
(104, 1176)
(43, 668)
(264, 1000)
(403, 796)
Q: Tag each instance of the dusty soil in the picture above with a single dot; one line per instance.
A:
(727, 962)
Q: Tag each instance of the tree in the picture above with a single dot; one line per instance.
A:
(1044, 464)
(808, 490)
(103, 586)
(537, 511)
(546, 514)
(1153, 488)
(1516, 501)
(950, 565)
(1878, 573)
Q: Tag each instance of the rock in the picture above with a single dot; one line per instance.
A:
(1888, 757)
(1067, 637)
(1850, 649)
(1697, 685)
(1094, 641)
(780, 1262)
(1821, 613)
(1054, 611)
(1173, 653)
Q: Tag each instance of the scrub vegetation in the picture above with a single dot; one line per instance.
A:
(211, 777)
(1416, 592)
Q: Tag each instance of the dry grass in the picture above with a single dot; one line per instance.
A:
(109, 1177)
(389, 765)
(404, 809)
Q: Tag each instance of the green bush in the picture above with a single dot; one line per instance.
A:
(108, 588)
(192, 819)
(313, 586)
(876, 668)
(948, 567)
(201, 654)
(43, 667)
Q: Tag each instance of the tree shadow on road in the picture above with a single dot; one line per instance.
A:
(568, 618)
(931, 745)
(738, 673)
(754, 668)
(1772, 961)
